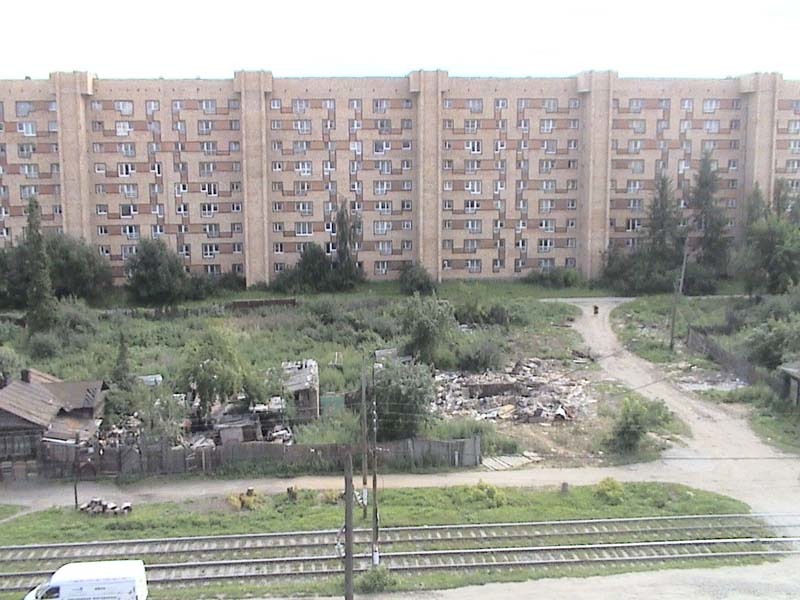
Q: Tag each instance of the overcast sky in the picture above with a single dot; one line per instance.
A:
(200, 38)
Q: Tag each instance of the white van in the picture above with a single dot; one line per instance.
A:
(102, 580)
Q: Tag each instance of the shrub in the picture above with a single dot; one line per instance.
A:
(699, 280)
(43, 345)
(497, 315)
(556, 278)
(198, 287)
(414, 278)
(377, 579)
(610, 491)
(758, 395)
(245, 502)
(629, 427)
(340, 427)
(487, 495)
(479, 356)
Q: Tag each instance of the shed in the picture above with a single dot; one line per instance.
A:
(301, 379)
(791, 381)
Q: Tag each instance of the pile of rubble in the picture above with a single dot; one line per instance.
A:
(532, 391)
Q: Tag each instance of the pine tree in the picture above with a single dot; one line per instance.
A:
(121, 375)
(709, 218)
(41, 312)
(664, 234)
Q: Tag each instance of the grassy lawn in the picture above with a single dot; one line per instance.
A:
(643, 324)
(7, 510)
(320, 510)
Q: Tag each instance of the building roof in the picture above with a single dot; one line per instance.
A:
(37, 376)
(41, 403)
(792, 369)
(29, 401)
(301, 375)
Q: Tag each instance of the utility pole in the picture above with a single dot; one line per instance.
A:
(678, 294)
(364, 444)
(76, 468)
(376, 557)
(348, 527)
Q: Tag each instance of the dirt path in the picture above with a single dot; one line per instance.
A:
(723, 455)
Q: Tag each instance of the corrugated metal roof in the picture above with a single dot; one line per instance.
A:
(74, 395)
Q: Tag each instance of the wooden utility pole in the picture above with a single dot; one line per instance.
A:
(76, 466)
(376, 557)
(678, 294)
(364, 443)
(348, 527)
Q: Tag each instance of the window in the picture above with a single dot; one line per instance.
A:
(545, 206)
(549, 185)
(474, 146)
(102, 230)
(30, 170)
(546, 125)
(687, 104)
(474, 265)
(381, 267)
(384, 125)
(125, 169)
(500, 103)
(123, 107)
(131, 231)
(500, 145)
(101, 209)
(382, 146)
(635, 105)
(638, 125)
(127, 211)
(475, 105)
(548, 225)
(384, 207)
(129, 190)
(545, 245)
(303, 228)
(205, 127)
(303, 168)
(572, 144)
(26, 128)
(384, 247)
(381, 227)
(123, 128)
(473, 186)
(302, 126)
(524, 125)
(794, 126)
(710, 105)
(305, 208)
(711, 126)
(473, 225)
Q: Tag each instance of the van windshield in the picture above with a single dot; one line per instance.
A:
(47, 592)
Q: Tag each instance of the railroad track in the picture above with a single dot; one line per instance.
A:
(313, 554)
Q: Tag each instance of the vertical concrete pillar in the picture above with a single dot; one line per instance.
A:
(596, 90)
(254, 88)
(429, 88)
(71, 91)
(760, 103)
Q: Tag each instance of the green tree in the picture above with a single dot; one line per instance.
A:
(414, 278)
(347, 226)
(781, 197)
(663, 238)
(629, 427)
(429, 321)
(76, 268)
(403, 394)
(41, 312)
(769, 260)
(709, 218)
(155, 274)
(756, 208)
(121, 374)
(211, 368)
(10, 363)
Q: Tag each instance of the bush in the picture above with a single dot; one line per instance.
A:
(757, 395)
(43, 345)
(198, 287)
(699, 280)
(556, 278)
(340, 427)
(610, 491)
(316, 272)
(415, 278)
(629, 427)
(377, 579)
(479, 356)
(487, 495)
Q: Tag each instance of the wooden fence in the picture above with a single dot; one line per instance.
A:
(157, 459)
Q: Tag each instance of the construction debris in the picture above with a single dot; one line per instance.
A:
(531, 391)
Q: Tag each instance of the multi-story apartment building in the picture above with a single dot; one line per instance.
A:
(471, 177)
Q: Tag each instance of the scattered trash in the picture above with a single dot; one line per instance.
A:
(98, 506)
(530, 391)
